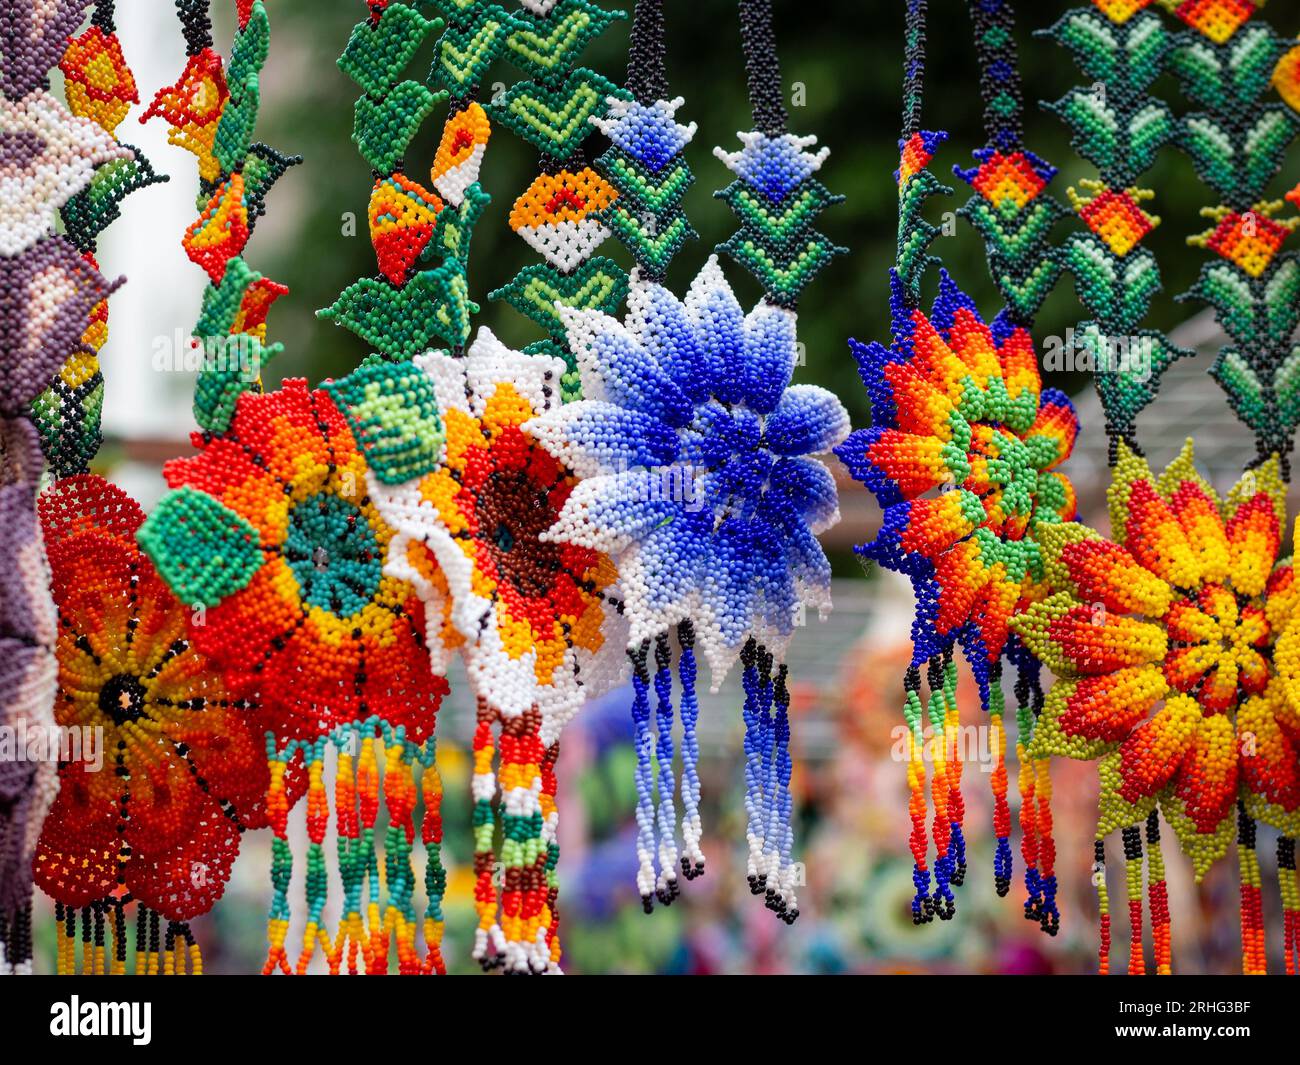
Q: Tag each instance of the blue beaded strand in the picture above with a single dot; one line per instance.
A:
(666, 888)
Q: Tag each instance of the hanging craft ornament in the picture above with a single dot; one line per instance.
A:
(1238, 145)
(1119, 127)
(99, 86)
(165, 768)
(563, 214)
(963, 457)
(701, 483)
(63, 164)
(270, 535)
(1175, 647)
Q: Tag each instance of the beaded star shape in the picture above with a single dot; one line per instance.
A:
(698, 467)
(963, 457)
(1164, 639)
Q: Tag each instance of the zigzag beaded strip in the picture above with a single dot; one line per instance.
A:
(1238, 143)
(212, 111)
(1116, 125)
(561, 215)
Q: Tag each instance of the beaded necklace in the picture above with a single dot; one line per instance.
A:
(697, 455)
(962, 456)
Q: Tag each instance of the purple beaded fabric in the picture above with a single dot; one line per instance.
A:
(47, 291)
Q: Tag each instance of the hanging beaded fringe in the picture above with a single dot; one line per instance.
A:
(16, 942)
(516, 891)
(102, 933)
(378, 905)
(1290, 889)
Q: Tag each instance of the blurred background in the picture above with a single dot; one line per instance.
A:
(843, 58)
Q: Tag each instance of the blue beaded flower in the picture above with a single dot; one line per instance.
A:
(693, 451)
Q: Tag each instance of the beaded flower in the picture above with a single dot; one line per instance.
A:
(531, 613)
(50, 155)
(183, 771)
(1161, 639)
(696, 455)
(271, 531)
(963, 457)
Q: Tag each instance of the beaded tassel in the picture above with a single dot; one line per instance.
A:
(922, 903)
(1290, 890)
(1254, 961)
(488, 945)
(644, 745)
(1158, 898)
(435, 874)
(1002, 860)
(1133, 884)
(1103, 906)
(666, 889)
(945, 903)
(692, 827)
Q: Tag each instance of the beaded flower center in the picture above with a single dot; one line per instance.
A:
(123, 698)
(514, 509)
(1214, 642)
(334, 554)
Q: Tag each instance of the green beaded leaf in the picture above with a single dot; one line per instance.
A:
(404, 322)
(384, 129)
(1282, 300)
(234, 135)
(232, 366)
(1230, 292)
(376, 55)
(99, 204)
(784, 271)
(915, 232)
(1238, 166)
(652, 239)
(202, 549)
(1203, 849)
(221, 302)
(1127, 368)
(775, 225)
(1116, 290)
(557, 121)
(1120, 146)
(68, 420)
(249, 49)
(263, 167)
(393, 412)
(454, 231)
(599, 284)
(1127, 58)
(546, 47)
(1239, 71)
(465, 54)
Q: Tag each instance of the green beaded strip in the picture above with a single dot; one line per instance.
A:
(1238, 145)
(1119, 127)
(554, 108)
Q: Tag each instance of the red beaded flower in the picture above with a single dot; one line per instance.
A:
(166, 768)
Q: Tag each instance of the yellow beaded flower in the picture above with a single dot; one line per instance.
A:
(1161, 639)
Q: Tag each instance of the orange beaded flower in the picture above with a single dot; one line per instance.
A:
(168, 768)
(272, 531)
(1179, 614)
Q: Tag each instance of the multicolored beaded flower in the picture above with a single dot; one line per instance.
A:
(184, 771)
(529, 610)
(271, 531)
(963, 457)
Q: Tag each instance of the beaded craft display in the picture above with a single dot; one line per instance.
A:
(270, 534)
(155, 814)
(700, 479)
(51, 312)
(562, 214)
(962, 456)
(1172, 644)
